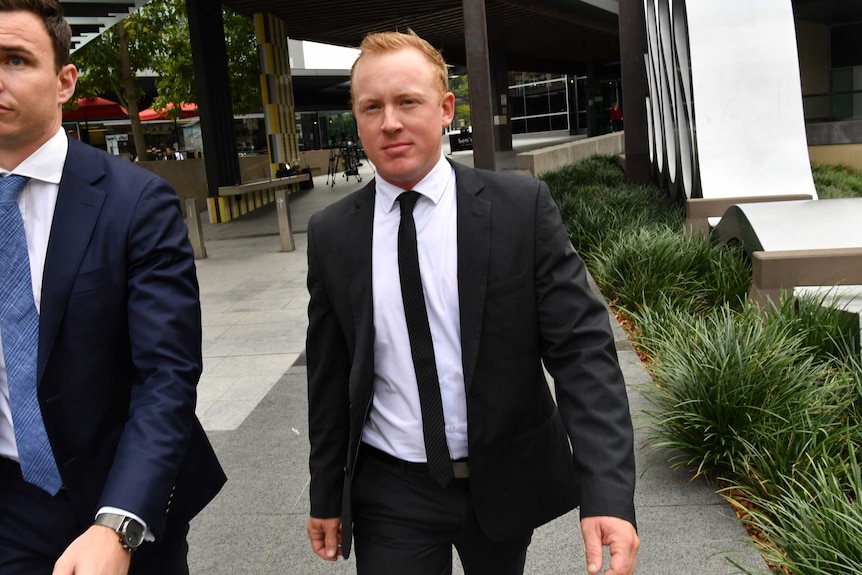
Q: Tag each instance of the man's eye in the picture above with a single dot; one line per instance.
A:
(16, 61)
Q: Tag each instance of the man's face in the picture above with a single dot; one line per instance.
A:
(32, 91)
(400, 114)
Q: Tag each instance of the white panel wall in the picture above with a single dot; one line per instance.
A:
(725, 100)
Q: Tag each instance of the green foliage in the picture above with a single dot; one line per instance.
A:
(724, 381)
(158, 39)
(657, 266)
(828, 331)
(460, 86)
(767, 400)
(175, 68)
(602, 170)
(100, 62)
(596, 204)
(462, 115)
(837, 181)
(814, 522)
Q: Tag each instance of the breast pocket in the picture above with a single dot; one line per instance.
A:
(96, 279)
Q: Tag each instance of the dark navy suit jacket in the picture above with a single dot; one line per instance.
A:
(524, 302)
(120, 346)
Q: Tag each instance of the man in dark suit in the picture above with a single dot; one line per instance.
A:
(103, 382)
(501, 292)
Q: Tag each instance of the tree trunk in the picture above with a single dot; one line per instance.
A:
(130, 93)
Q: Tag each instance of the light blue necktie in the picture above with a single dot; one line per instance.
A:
(19, 331)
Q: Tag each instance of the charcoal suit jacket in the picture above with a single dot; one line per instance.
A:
(524, 300)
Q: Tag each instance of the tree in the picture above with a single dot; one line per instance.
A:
(460, 86)
(108, 64)
(175, 69)
(156, 38)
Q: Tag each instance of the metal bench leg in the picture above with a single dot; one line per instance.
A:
(283, 213)
(196, 234)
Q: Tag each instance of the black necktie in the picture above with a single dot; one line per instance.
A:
(421, 346)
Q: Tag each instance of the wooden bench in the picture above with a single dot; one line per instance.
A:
(279, 186)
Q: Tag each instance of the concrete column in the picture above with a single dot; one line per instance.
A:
(632, 50)
(500, 94)
(276, 86)
(479, 73)
(212, 81)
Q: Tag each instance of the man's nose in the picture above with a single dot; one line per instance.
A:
(391, 119)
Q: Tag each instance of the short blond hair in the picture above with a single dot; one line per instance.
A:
(383, 42)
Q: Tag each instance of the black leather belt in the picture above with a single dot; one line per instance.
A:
(460, 469)
(10, 470)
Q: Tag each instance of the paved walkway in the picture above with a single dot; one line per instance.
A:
(252, 403)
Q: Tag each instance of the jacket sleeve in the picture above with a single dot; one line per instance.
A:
(164, 334)
(328, 375)
(579, 352)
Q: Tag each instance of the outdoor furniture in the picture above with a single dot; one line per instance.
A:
(240, 194)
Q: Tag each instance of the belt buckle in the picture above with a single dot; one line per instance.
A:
(460, 470)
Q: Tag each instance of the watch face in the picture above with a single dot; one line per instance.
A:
(133, 533)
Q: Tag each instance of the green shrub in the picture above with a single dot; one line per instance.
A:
(836, 180)
(596, 204)
(600, 170)
(814, 524)
(827, 330)
(654, 266)
(769, 401)
(723, 382)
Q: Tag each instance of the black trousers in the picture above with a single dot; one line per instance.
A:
(36, 528)
(404, 522)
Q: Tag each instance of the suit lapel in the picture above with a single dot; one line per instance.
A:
(474, 249)
(75, 215)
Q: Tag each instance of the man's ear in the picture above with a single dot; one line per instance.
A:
(67, 78)
(448, 105)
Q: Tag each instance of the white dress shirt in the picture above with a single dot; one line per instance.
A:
(36, 202)
(395, 420)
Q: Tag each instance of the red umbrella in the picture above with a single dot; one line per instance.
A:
(186, 111)
(95, 109)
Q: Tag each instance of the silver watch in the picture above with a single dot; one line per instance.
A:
(131, 531)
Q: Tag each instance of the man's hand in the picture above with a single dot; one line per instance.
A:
(325, 536)
(620, 537)
(97, 552)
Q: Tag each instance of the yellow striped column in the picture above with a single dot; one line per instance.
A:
(277, 90)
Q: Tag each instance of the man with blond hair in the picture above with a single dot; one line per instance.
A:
(437, 294)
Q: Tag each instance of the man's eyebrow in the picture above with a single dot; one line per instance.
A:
(15, 49)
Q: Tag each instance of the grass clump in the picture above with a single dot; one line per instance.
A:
(724, 381)
(813, 525)
(655, 267)
(836, 180)
(596, 204)
(768, 401)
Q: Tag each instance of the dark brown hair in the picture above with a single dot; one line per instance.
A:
(51, 14)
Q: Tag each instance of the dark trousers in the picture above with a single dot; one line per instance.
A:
(404, 522)
(36, 528)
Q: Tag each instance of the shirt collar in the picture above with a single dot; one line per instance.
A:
(432, 186)
(46, 163)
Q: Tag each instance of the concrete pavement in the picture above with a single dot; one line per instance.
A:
(252, 403)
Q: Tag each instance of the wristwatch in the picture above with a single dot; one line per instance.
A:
(131, 532)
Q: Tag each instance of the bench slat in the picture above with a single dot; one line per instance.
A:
(262, 185)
